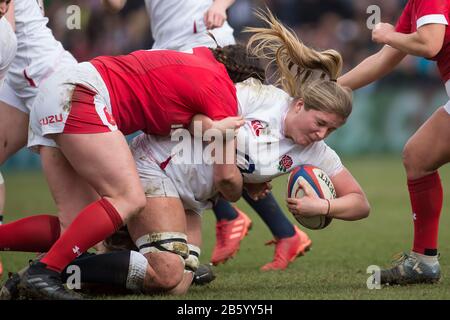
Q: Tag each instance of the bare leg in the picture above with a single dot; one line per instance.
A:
(13, 131)
(13, 136)
(70, 192)
(105, 162)
(428, 149)
(165, 270)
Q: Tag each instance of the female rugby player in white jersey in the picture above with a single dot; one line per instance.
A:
(8, 47)
(167, 232)
(182, 25)
(38, 55)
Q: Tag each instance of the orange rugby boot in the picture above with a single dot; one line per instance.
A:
(288, 249)
(228, 237)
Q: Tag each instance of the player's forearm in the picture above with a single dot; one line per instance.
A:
(414, 44)
(227, 177)
(352, 206)
(372, 68)
(228, 181)
(200, 123)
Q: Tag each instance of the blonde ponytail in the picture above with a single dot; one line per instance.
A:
(301, 71)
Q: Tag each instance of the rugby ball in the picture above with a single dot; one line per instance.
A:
(320, 183)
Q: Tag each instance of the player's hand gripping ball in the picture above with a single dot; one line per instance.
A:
(309, 185)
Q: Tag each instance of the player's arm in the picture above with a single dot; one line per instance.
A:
(372, 68)
(351, 202)
(216, 15)
(114, 5)
(227, 177)
(201, 123)
(426, 42)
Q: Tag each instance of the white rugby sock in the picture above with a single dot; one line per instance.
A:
(424, 258)
(136, 271)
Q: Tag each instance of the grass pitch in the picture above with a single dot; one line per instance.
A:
(336, 266)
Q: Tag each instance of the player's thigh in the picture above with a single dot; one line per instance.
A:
(69, 190)
(13, 130)
(105, 162)
(161, 214)
(429, 148)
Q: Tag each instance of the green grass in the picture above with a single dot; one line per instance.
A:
(334, 269)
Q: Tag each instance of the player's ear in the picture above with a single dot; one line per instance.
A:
(299, 105)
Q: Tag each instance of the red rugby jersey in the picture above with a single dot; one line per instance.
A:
(151, 90)
(418, 13)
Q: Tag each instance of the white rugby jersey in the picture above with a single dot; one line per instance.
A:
(263, 151)
(8, 47)
(179, 25)
(38, 52)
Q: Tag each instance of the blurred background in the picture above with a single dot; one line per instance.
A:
(385, 113)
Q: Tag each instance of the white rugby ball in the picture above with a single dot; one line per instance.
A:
(320, 182)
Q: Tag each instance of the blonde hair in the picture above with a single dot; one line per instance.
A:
(302, 72)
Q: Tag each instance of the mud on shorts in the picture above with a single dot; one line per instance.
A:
(74, 100)
(154, 180)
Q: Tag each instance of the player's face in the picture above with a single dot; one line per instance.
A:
(309, 126)
(4, 6)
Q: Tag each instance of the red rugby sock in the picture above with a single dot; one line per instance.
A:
(31, 234)
(426, 201)
(92, 225)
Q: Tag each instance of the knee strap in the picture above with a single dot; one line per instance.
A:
(174, 242)
(192, 262)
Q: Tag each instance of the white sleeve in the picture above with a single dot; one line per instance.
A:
(245, 96)
(325, 158)
(259, 100)
(8, 47)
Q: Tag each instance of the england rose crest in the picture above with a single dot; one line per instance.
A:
(285, 163)
(258, 127)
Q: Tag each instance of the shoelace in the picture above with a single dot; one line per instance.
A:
(399, 258)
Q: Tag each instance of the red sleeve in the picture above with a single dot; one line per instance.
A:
(418, 13)
(217, 99)
(404, 22)
(220, 104)
(431, 7)
(431, 11)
